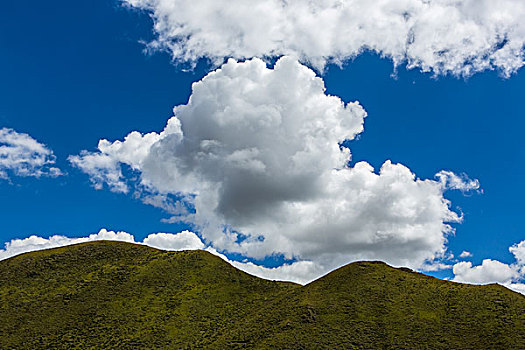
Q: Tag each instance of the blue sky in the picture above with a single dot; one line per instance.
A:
(73, 74)
(76, 72)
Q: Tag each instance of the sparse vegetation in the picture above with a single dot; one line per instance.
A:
(114, 295)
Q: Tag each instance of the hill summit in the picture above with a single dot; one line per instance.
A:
(114, 295)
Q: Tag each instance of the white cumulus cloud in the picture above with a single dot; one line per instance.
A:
(459, 37)
(489, 271)
(301, 272)
(22, 155)
(34, 243)
(492, 271)
(184, 240)
(255, 156)
(105, 168)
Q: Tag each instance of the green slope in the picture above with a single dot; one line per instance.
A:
(113, 295)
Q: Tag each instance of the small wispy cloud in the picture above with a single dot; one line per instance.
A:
(465, 254)
(452, 181)
(22, 155)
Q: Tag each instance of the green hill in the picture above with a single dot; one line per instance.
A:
(113, 295)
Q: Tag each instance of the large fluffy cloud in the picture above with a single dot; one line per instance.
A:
(493, 271)
(256, 158)
(22, 155)
(444, 36)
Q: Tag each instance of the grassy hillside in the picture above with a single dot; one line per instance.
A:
(113, 295)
